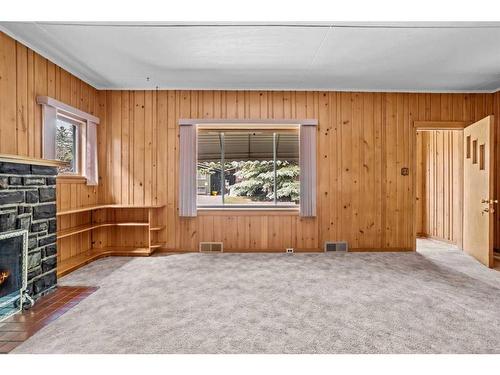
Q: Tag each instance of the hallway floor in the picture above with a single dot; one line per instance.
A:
(444, 252)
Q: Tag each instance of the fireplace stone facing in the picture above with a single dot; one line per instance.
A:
(28, 201)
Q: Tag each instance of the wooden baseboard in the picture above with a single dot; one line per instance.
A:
(278, 251)
(385, 250)
(68, 265)
(249, 251)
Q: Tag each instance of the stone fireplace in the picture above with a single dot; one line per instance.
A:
(28, 203)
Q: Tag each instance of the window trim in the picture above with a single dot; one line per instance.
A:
(187, 195)
(278, 210)
(86, 155)
(80, 137)
(239, 123)
(69, 110)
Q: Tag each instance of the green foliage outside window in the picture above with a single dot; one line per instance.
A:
(255, 179)
(65, 146)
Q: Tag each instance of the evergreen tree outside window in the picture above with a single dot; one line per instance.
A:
(243, 168)
(66, 146)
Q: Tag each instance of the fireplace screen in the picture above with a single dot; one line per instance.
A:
(13, 248)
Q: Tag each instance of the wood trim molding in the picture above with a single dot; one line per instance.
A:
(65, 108)
(27, 160)
(248, 122)
(69, 179)
(248, 212)
(105, 206)
(440, 125)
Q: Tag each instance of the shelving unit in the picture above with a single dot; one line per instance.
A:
(153, 226)
(103, 206)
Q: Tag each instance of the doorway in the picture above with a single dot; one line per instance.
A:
(439, 193)
(455, 200)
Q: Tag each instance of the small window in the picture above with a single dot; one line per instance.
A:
(67, 145)
(241, 168)
(474, 151)
(467, 147)
(69, 135)
(481, 157)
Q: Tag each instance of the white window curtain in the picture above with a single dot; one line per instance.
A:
(49, 121)
(187, 170)
(307, 170)
(91, 172)
(50, 110)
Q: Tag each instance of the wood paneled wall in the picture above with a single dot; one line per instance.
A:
(24, 75)
(364, 139)
(440, 185)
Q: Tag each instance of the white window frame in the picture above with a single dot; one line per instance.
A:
(86, 155)
(293, 129)
(79, 157)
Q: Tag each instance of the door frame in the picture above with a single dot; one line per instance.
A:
(422, 126)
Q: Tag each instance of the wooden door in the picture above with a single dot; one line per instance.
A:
(479, 200)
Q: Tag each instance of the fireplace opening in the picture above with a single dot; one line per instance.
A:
(11, 263)
(13, 273)
(4, 275)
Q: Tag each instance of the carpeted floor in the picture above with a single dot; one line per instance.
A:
(435, 301)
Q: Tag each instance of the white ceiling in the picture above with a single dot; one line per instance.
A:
(451, 57)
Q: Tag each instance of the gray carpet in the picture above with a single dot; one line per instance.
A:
(435, 301)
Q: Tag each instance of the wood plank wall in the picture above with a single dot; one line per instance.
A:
(440, 185)
(364, 139)
(24, 75)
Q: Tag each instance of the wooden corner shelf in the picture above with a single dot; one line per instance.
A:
(153, 226)
(157, 245)
(157, 228)
(68, 265)
(87, 227)
(103, 206)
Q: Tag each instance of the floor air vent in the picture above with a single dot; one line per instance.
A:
(211, 247)
(335, 246)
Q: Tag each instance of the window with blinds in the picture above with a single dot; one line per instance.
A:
(240, 168)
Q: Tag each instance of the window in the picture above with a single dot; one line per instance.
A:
(481, 157)
(474, 151)
(70, 136)
(467, 148)
(246, 164)
(68, 144)
(248, 167)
